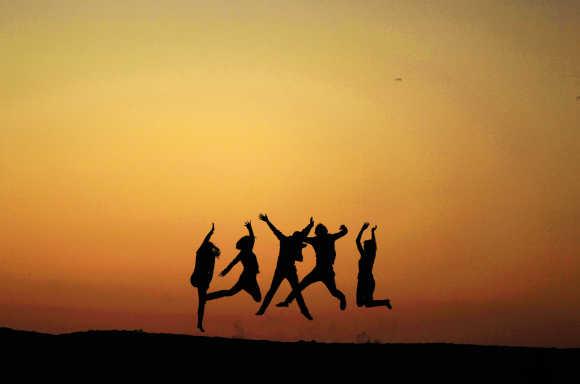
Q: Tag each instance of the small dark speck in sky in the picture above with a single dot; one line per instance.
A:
(399, 79)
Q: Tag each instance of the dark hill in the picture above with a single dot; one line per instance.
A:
(285, 362)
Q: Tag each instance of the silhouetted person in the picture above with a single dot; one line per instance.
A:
(366, 282)
(323, 244)
(290, 252)
(247, 280)
(203, 273)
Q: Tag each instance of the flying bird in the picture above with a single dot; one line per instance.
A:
(399, 79)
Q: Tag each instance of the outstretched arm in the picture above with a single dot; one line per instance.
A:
(236, 260)
(265, 218)
(358, 244)
(307, 229)
(209, 234)
(248, 225)
(343, 231)
(373, 234)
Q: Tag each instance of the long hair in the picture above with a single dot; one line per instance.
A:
(321, 230)
(210, 249)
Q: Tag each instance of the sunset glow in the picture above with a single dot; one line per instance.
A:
(127, 128)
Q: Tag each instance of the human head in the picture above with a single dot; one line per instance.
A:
(244, 243)
(321, 230)
(212, 249)
(297, 235)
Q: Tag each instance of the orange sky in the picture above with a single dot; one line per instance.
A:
(126, 129)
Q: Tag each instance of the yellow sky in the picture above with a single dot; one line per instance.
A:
(126, 129)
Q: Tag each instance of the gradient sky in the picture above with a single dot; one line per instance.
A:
(127, 127)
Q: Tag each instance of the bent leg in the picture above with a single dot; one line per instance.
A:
(331, 285)
(312, 277)
(361, 295)
(252, 287)
(379, 303)
(376, 303)
(225, 292)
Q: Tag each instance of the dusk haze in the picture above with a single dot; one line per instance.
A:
(128, 127)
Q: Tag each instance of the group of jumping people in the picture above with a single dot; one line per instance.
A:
(290, 251)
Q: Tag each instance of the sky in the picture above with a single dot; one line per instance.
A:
(128, 127)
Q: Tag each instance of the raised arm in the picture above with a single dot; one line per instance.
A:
(307, 229)
(343, 231)
(373, 234)
(248, 224)
(358, 237)
(209, 234)
(265, 218)
(236, 260)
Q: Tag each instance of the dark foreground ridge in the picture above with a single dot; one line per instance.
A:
(262, 360)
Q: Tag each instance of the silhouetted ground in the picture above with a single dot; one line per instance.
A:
(137, 354)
